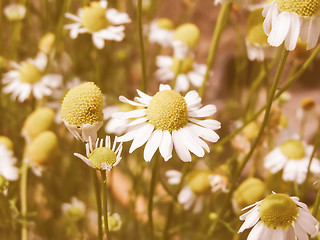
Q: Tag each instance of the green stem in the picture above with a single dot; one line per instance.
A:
(151, 193)
(176, 74)
(223, 18)
(256, 141)
(143, 84)
(98, 200)
(316, 204)
(23, 199)
(105, 202)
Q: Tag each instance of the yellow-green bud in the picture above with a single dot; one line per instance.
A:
(6, 141)
(249, 191)
(186, 65)
(40, 120)
(293, 149)
(46, 42)
(284, 122)
(199, 181)
(213, 216)
(102, 155)
(255, 32)
(251, 131)
(43, 149)
(29, 73)
(114, 222)
(165, 23)
(187, 33)
(82, 105)
(94, 17)
(308, 103)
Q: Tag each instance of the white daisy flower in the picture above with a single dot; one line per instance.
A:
(190, 72)
(169, 119)
(114, 222)
(29, 78)
(198, 184)
(293, 157)
(81, 111)
(161, 32)
(7, 160)
(185, 39)
(256, 39)
(102, 23)
(15, 12)
(75, 210)
(286, 20)
(100, 156)
(279, 217)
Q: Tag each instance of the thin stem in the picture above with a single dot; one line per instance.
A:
(23, 199)
(151, 193)
(105, 202)
(174, 81)
(220, 25)
(143, 84)
(98, 200)
(257, 140)
(316, 204)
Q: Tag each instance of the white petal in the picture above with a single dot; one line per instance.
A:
(256, 232)
(250, 220)
(182, 84)
(187, 139)
(180, 148)
(97, 41)
(141, 137)
(196, 79)
(205, 133)
(166, 146)
(205, 111)
(208, 123)
(280, 29)
(116, 17)
(152, 145)
(125, 100)
(131, 114)
(83, 158)
(163, 87)
(293, 34)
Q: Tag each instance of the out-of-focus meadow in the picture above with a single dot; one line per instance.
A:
(46, 192)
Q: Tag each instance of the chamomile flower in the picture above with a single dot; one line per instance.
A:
(15, 12)
(256, 39)
(190, 72)
(279, 217)
(102, 23)
(161, 32)
(8, 170)
(168, 119)
(102, 157)
(185, 39)
(198, 184)
(81, 111)
(74, 210)
(28, 78)
(286, 20)
(293, 157)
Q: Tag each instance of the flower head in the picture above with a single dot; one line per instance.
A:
(81, 111)
(114, 222)
(161, 32)
(293, 156)
(185, 39)
(102, 23)
(286, 20)
(74, 210)
(279, 217)
(102, 157)
(46, 42)
(15, 12)
(190, 72)
(8, 170)
(29, 78)
(168, 119)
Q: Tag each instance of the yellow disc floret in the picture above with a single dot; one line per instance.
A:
(6, 141)
(43, 148)
(293, 149)
(102, 155)
(255, 32)
(304, 8)
(278, 211)
(94, 17)
(82, 105)
(165, 23)
(198, 181)
(167, 110)
(40, 120)
(186, 65)
(187, 33)
(29, 73)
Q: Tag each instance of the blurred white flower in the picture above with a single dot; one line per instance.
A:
(168, 119)
(29, 78)
(74, 210)
(15, 12)
(7, 164)
(190, 72)
(161, 32)
(102, 23)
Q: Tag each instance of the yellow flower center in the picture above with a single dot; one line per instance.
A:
(167, 110)
(165, 23)
(102, 155)
(186, 65)
(6, 141)
(255, 32)
(82, 105)
(304, 8)
(94, 17)
(29, 73)
(293, 149)
(187, 33)
(278, 211)
(198, 181)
